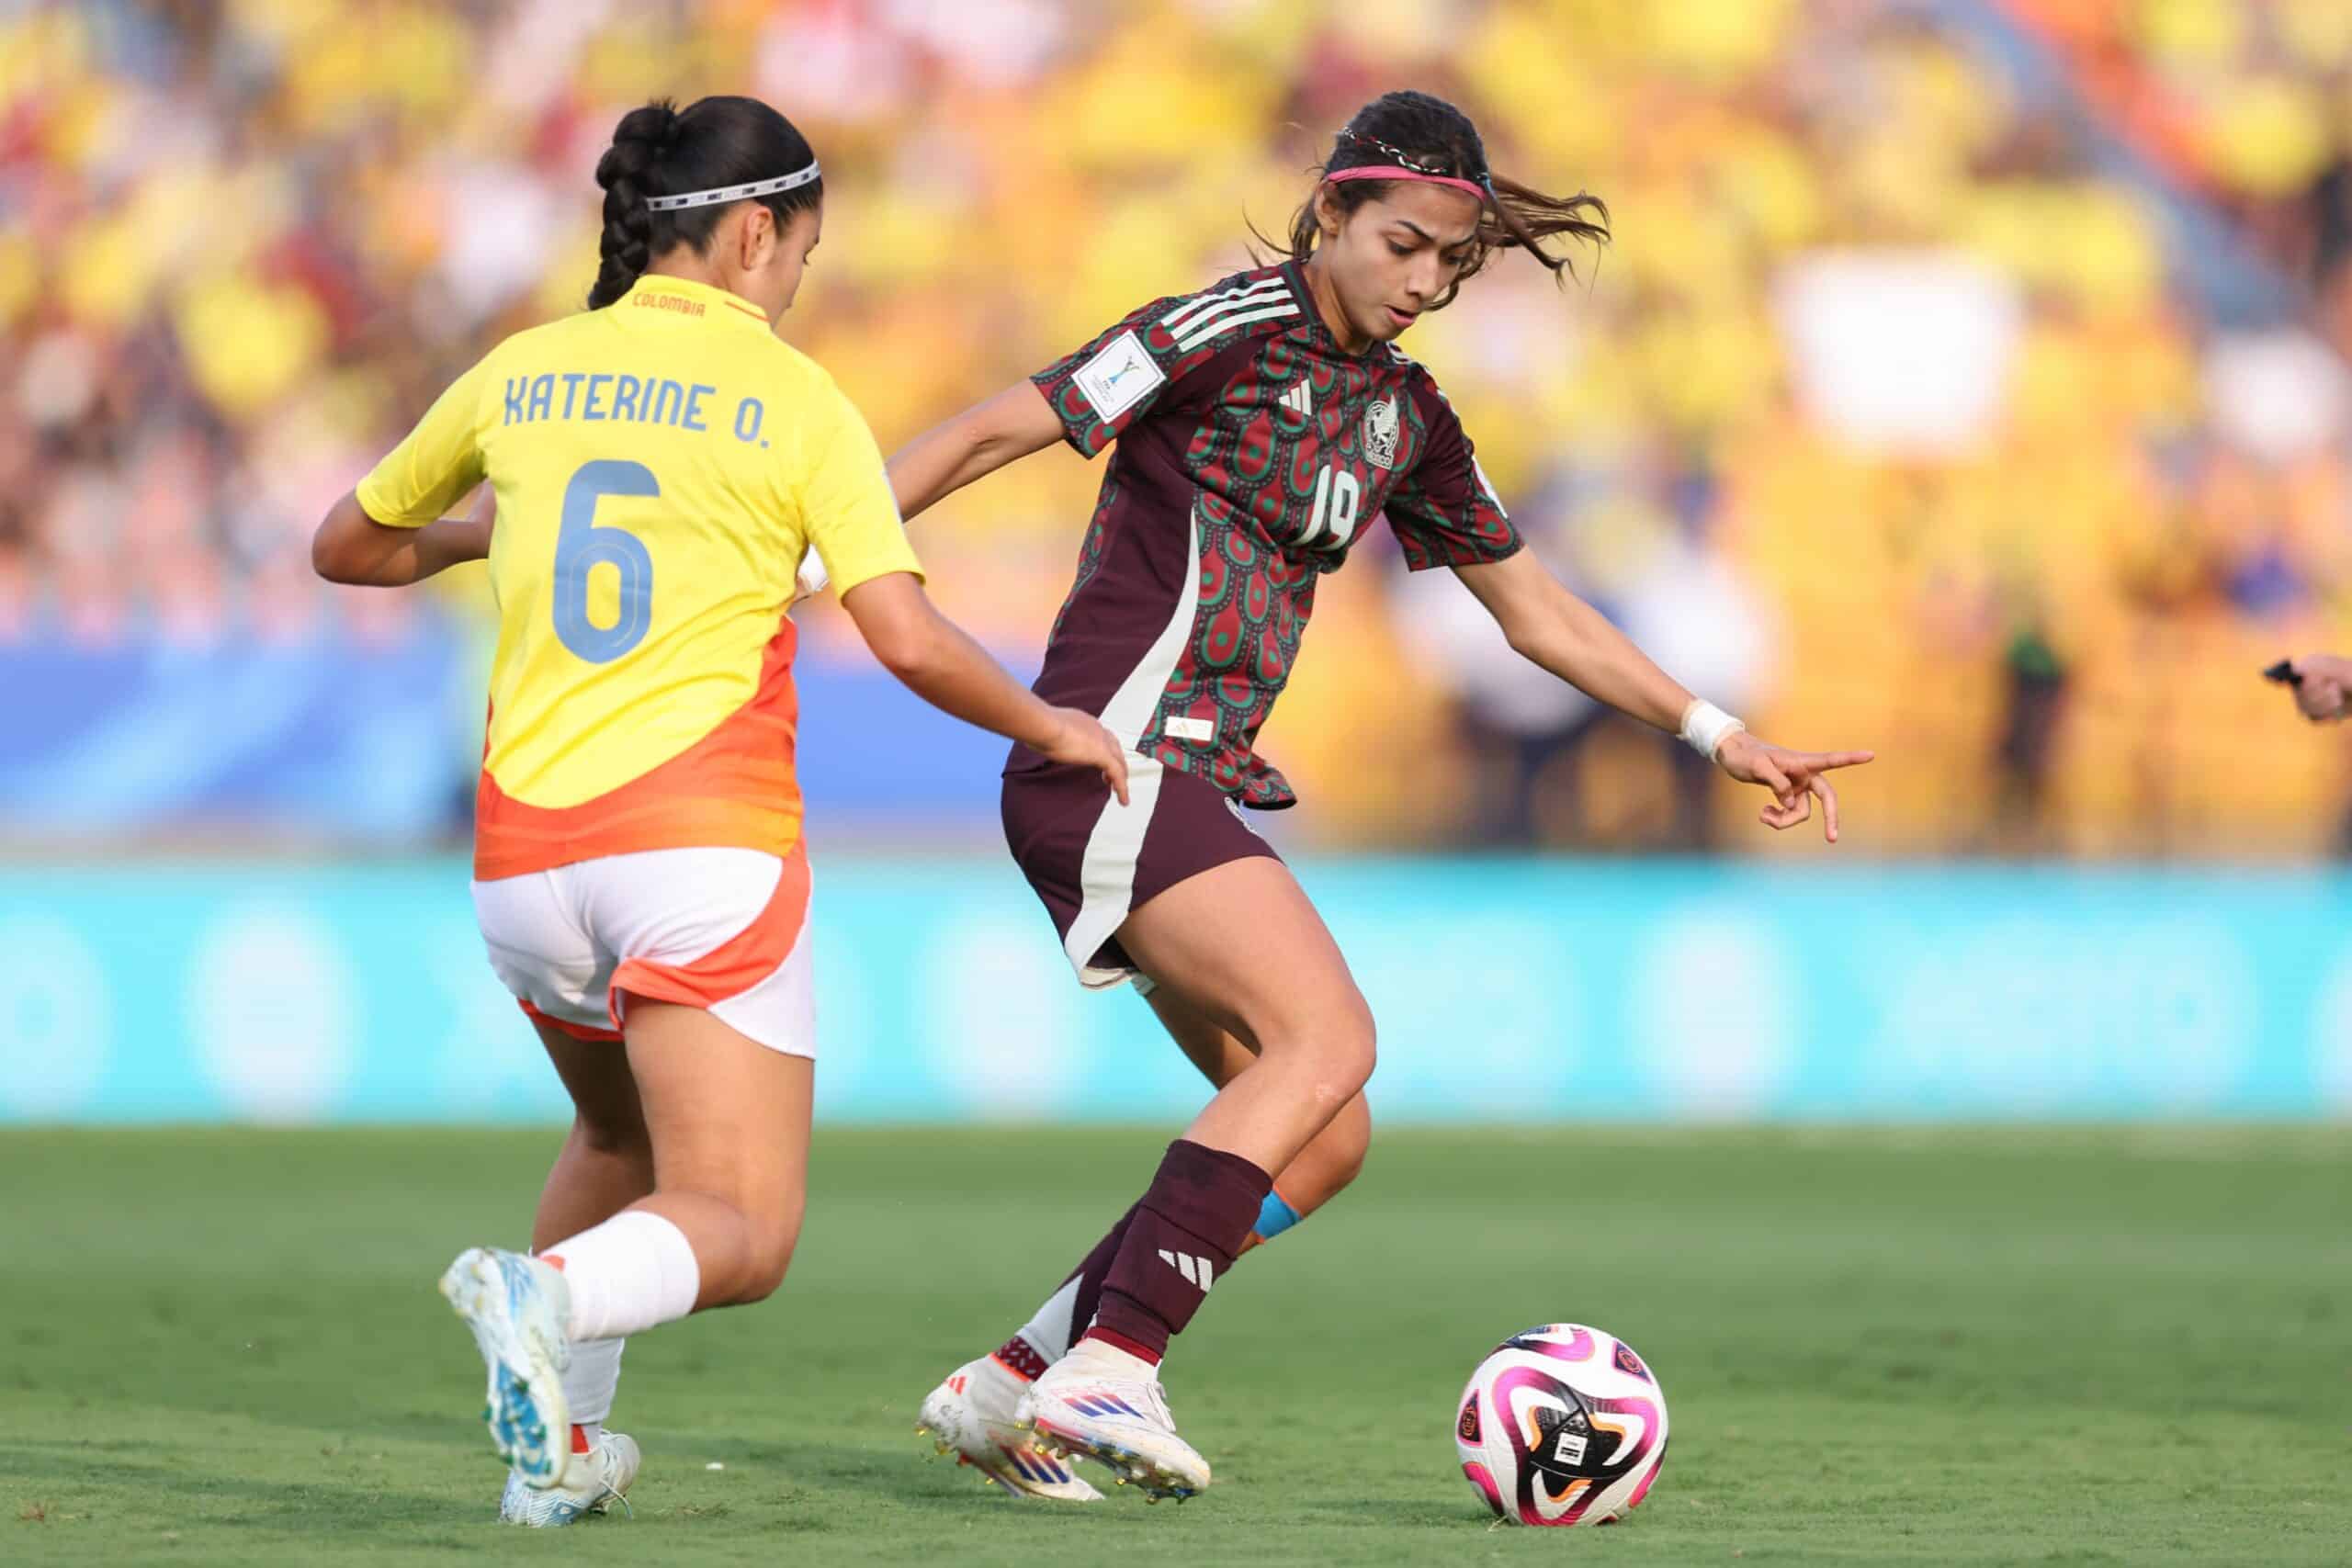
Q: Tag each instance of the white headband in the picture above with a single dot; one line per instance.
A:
(792, 181)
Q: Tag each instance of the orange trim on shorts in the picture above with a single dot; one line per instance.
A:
(735, 965)
(735, 788)
(564, 1025)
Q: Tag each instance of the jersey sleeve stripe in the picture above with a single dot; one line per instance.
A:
(1176, 319)
(1215, 322)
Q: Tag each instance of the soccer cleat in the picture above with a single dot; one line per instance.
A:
(600, 1478)
(517, 1307)
(971, 1415)
(1102, 1402)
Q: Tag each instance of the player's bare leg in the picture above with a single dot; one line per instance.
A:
(1320, 1171)
(606, 1161)
(727, 1121)
(1287, 990)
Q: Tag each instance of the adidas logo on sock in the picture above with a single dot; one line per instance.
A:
(1299, 400)
(1196, 1270)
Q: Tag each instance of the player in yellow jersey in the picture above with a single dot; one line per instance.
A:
(661, 465)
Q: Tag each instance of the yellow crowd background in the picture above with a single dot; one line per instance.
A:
(248, 240)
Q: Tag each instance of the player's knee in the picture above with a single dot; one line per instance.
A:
(1329, 1042)
(767, 1259)
(1349, 1140)
(1347, 1055)
(764, 1275)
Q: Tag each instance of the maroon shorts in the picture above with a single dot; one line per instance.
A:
(1093, 861)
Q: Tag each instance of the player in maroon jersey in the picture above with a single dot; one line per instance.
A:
(1262, 425)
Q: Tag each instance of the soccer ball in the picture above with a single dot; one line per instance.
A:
(1563, 1425)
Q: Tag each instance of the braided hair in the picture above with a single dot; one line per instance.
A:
(661, 150)
(1429, 136)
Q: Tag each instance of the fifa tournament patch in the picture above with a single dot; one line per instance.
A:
(1380, 427)
(1119, 375)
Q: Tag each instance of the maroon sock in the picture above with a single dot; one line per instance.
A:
(1185, 1233)
(1093, 1272)
(1029, 1361)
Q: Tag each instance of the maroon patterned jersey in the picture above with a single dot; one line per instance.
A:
(1252, 454)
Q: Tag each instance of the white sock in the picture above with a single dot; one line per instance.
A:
(635, 1271)
(590, 1383)
(1050, 1331)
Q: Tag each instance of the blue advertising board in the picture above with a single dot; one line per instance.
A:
(1505, 990)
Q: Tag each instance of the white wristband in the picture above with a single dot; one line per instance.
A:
(1705, 727)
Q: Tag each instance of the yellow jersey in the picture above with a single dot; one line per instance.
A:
(661, 468)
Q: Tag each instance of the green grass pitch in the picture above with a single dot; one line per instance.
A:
(1933, 1348)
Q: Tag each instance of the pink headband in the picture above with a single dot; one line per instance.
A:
(1398, 171)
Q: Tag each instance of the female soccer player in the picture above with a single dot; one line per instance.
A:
(1261, 423)
(661, 464)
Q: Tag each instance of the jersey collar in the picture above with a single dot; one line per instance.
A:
(718, 304)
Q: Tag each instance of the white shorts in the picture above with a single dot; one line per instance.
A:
(720, 928)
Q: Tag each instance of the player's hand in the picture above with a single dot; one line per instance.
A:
(1078, 737)
(1793, 777)
(2321, 696)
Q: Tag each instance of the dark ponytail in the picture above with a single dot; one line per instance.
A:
(661, 150)
(1431, 136)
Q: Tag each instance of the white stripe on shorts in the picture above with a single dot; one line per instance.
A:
(1107, 878)
(1107, 874)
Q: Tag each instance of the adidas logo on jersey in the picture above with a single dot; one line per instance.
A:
(1299, 400)
(1196, 1270)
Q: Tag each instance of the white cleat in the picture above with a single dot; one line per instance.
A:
(601, 1477)
(517, 1307)
(971, 1414)
(1102, 1402)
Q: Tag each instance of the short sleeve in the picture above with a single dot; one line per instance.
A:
(1443, 512)
(1127, 371)
(846, 506)
(427, 474)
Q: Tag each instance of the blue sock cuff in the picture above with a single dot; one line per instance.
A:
(1274, 1216)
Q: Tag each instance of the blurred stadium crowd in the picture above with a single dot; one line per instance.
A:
(1967, 379)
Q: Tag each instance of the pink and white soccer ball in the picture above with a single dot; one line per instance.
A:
(1563, 1425)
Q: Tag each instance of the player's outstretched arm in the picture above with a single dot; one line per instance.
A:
(941, 663)
(351, 547)
(1554, 629)
(975, 444)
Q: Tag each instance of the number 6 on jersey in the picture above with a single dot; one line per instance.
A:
(581, 545)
